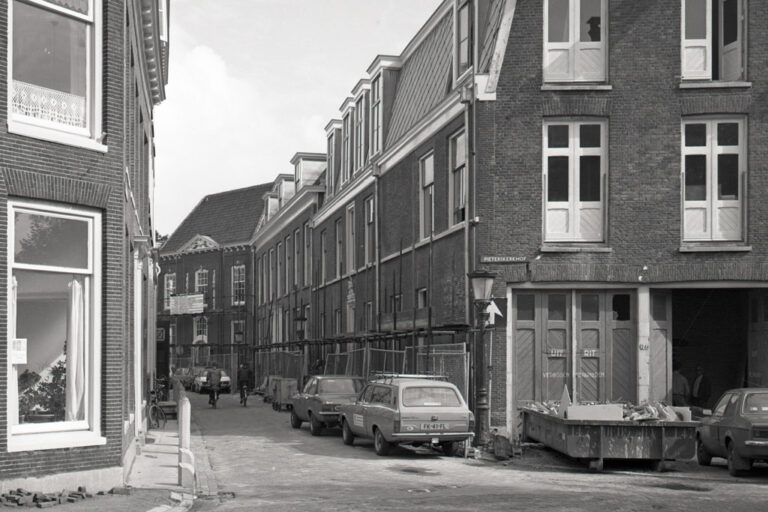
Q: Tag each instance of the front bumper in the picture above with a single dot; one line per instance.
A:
(330, 418)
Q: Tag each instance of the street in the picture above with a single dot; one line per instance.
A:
(259, 462)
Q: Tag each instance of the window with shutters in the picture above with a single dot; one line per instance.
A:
(427, 196)
(575, 35)
(575, 170)
(713, 40)
(714, 172)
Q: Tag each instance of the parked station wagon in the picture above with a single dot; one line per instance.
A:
(408, 410)
(737, 430)
(321, 399)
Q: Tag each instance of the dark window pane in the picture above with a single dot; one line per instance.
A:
(558, 21)
(695, 135)
(695, 178)
(754, 311)
(730, 21)
(589, 178)
(621, 309)
(556, 307)
(590, 20)
(590, 307)
(557, 189)
(659, 307)
(526, 309)
(727, 134)
(558, 136)
(727, 176)
(589, 136)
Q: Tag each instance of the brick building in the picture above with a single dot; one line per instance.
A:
(76, 186)
(208, 261)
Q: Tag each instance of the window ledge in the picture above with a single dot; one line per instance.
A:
(574, 248)
(715, 248)
(54, 440)
(715, 84)
(577, 87)
(51, 135)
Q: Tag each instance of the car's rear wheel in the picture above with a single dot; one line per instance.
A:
(315, 426)
(736, 463)
(295, 421)
(346, 433)
(381, 445)
(703, 457)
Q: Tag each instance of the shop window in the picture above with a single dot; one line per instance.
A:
(622, 311)
(575, 171)
(713, 40)
(526, 307)
(55, 67)
(55, 365)
(714, 167)
(574, 40)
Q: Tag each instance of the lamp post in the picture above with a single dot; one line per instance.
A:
(482, 285)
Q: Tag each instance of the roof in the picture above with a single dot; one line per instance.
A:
(226, 217)
(495, 14)
(424, 80)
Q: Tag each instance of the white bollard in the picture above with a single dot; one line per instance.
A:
(186, 458)
(185, 420)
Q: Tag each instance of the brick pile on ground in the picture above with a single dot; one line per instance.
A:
(23, 498)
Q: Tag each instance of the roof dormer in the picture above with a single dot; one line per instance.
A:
(307, 168)
(333, 156)
(384, 72)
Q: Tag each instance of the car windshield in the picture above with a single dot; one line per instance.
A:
(340, 386)
(430, 397)
(756, 403)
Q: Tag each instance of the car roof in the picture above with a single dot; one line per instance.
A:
(322, 377)
(412, 381)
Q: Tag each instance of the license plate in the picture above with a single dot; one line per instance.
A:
(434, 426)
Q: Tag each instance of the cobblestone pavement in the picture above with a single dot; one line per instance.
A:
(259, 462)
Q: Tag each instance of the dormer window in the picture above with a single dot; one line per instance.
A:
(359, 133)
(376, 131)
(162, 9)
(331, 156)
(463, 38)
(55, 70)
(713, 51)
(346, 149)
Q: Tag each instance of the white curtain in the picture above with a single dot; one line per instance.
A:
(76, 354)
(13, 384)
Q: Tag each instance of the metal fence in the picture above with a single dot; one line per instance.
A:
(450, 360)
(227, 357)
(278, 363)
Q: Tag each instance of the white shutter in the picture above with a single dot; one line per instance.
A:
(558, 55)
(589, 56)
(696, 53)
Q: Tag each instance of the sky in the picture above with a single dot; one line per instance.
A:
(251, 82)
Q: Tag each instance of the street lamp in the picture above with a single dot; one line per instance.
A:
(482, 285)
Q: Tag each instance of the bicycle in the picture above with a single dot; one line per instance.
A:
(155, 415)
(244, 395)
(213, 396)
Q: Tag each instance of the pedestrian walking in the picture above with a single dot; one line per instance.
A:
(213, 378)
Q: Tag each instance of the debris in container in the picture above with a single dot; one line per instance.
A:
(646, 411)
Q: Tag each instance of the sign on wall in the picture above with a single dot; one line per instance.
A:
(188, 304)
(160, 334)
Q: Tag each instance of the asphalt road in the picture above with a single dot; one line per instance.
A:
(261, 463)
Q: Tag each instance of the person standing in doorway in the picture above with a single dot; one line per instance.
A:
(701, 389)
(213, 378)
(681, 391)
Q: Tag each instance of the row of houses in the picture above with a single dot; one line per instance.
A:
(80, 80)
(610, 177)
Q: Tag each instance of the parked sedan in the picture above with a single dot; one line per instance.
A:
(200, 382)
(320, 400)
(736, 429)
(406, 410)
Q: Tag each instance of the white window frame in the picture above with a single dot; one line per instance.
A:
(423, 232)
(574, 209)
(578, 53)
(90, 136)
(360, 133)
(169, 289)
(162, 9)
(457, 38)
(351, 239)
(44, 436)
(712, 206)
(457, 174)
(331, 156)
(339, 232)
(200, 326)
(233, 330)
(323, 257)
(238, 280)
(288, 253)
(297, 259)
(346, 147)
(307, 255)
(422, 298)
(279, 269)
(271, 274)
(199, 275)
(370, 229)
(697, 54)
(376, 117)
